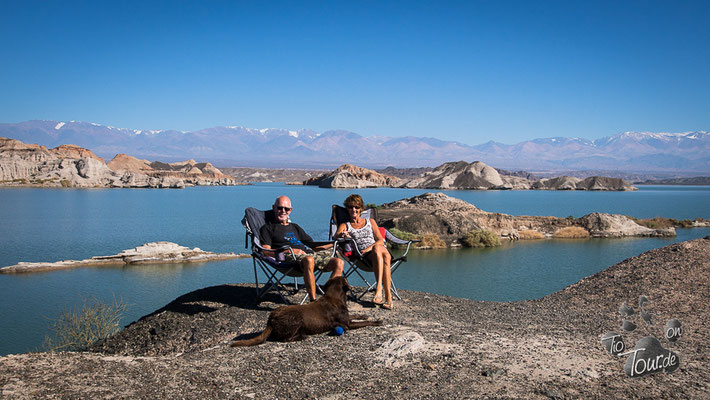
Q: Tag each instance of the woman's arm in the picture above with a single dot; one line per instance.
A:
(342, 232)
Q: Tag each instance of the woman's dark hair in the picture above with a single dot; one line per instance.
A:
(354, 200)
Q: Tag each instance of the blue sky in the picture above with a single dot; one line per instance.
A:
(469, 71)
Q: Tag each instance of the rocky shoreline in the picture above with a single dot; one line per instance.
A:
(430, 346)
(149, 253)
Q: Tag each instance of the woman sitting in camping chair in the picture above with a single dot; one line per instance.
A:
(369, 240)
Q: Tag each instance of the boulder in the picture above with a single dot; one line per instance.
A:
(614, 226)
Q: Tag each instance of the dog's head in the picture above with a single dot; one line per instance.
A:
(338, 288)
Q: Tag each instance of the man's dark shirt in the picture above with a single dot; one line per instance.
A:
(278, 235)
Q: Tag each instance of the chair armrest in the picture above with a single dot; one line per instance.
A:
(390, 237)
(394, 239)
(261, 250)
(343, 241)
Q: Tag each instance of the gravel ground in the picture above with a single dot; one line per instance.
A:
(430, 346)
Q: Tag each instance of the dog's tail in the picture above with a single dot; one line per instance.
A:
(255, 340)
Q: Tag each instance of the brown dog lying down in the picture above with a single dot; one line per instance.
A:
(291, 323)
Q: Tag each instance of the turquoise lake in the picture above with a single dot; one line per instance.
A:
(59, 224)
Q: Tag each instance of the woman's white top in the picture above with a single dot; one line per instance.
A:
(363, 237)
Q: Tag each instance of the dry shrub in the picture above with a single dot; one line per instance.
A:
(431, 241)
(481, 238)
(528, 234)
(76, 329)
(663, 223)
(571, 232)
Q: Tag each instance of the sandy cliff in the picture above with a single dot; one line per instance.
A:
(73, 166)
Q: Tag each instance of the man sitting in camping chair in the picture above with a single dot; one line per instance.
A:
(283, 233)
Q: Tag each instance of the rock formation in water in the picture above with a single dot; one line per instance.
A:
(73, 166)
(190, 172)
(350, 176)
(479, 176)
(451, 219)
(590, 183)
(462, 175)
(149, 253)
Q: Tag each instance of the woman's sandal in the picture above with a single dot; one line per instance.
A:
(387, 306)
(377, 300)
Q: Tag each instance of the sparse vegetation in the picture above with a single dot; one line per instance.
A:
(65, 183)
(663, 223)
(402, 234)
(430, 240)
(77, 329)
(528, 234)
(571, 232)
(481, 238)
(371, 205)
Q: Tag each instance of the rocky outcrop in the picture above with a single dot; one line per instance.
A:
(451, 219)
(149, 253)
(73, 166)
(350, 176)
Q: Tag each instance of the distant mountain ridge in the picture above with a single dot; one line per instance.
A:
(687, 152)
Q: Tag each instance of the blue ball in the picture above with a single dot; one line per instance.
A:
(338, 331)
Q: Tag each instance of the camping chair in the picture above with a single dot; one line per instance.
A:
(275, 269)
(349, 251)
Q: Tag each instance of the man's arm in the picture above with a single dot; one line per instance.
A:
(308, 241)
(318, 246)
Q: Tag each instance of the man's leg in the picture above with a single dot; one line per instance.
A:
(309, 278)
(336, 265)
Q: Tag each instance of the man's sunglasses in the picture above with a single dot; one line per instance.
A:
(287, 209)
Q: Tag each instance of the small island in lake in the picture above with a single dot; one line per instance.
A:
(149, 253)
(447, 221)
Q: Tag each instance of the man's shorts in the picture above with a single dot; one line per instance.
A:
(320, 258)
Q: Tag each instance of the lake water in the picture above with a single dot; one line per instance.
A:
(58, 224)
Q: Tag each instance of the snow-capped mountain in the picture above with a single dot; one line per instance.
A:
(240, 146)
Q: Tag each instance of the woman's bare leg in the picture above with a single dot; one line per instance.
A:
(376, 261)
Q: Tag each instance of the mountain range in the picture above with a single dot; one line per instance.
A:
(231, 146)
